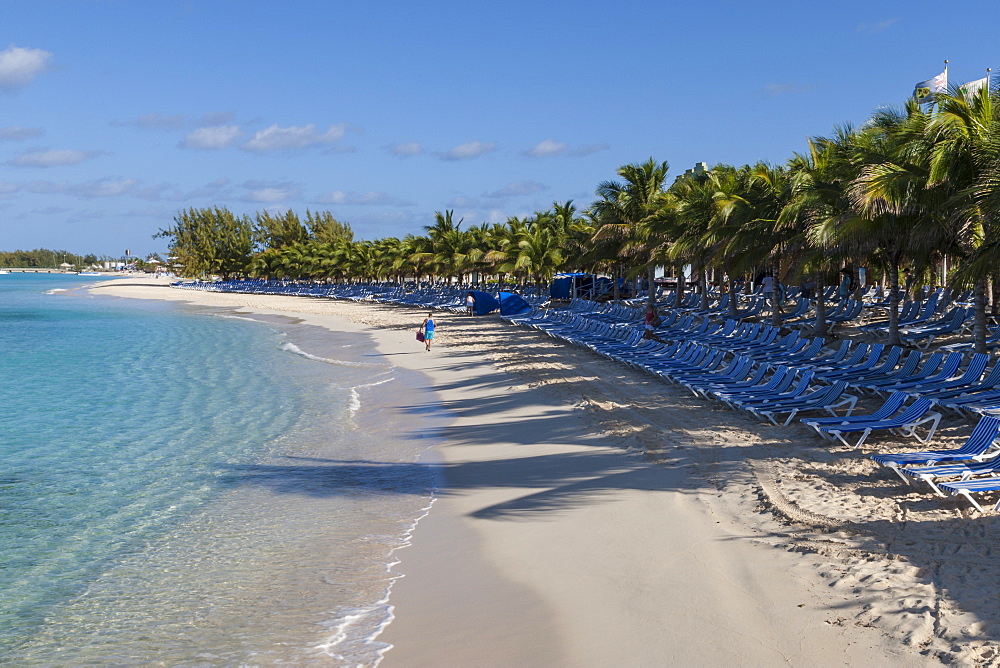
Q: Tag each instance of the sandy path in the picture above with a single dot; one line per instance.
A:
(594, 516)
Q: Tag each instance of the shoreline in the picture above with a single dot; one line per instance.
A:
(595, 516)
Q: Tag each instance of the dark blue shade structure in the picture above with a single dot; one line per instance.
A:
(511, 304)
(485, 302)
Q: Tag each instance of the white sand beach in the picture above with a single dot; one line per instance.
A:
(594, 516)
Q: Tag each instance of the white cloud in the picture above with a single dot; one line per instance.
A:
(51, 211)
(517, 189)
(268, 192)
(57, 158)
(469, 150)
(8, 188)
(406, 149)
(877, 27)
(212, 137)
(154, 193)
(17, 133)
(217, 118)
(268, 195)
(18, 67)
(293, 137)
(546, 148)
(106, 187)
(212, 190)
(462, 202)
(550, 148)
(371, 198)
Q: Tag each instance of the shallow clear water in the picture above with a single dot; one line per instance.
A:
(188, 486)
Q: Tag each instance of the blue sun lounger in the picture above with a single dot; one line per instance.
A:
(943, 388)
(779, 381)
(980, 446)
(826, 399)
(975, 486)
(906, 423)
(890, 407)
(937, 369)
(744, 373)
(962, 470)
(754, 397)
(874, 354)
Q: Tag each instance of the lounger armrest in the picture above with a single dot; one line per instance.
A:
(933, 418)
(848, 400)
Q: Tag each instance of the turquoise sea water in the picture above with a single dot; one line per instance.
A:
(188, 486)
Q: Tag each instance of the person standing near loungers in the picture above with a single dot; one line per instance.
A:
(652, 321)
(428, 326)
(844, 289)
(767, 289)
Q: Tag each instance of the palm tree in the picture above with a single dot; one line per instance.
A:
(622, 208)
(899, 215)
(453, 250)
(965, 133)
(539, 254)
(818, 204)
(417, 254)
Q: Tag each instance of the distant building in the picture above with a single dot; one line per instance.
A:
(698, 169)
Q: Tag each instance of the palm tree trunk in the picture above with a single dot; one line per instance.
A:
(894, 302)
(734, 299)
(995, 295)
(820, 304)
(776, 299)
(651, 282)
(979, 304)
(679, 287)
(703, 286)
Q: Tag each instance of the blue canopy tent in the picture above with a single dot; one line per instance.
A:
(485, 302)
(568, 286)
(511, 304)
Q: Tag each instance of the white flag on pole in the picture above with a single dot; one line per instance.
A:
(925, 90)
(970, 89)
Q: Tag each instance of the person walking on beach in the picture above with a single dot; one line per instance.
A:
(767, 290)
(908, 280)
(844, 288)
(470, 304)
(428, 328)
(807, 287)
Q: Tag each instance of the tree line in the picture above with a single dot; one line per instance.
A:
(44, 258)
(916, 187)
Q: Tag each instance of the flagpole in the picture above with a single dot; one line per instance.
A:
(935, 102)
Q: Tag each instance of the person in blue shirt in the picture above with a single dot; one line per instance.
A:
(844, 289)
(428, 326)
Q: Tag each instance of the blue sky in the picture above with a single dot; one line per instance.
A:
(116, 115)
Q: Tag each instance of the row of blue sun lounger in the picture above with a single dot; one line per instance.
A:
(749, 368)
(970, 469)
(772, 391)
(450, 298)
(870, 368)
(945, 378)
